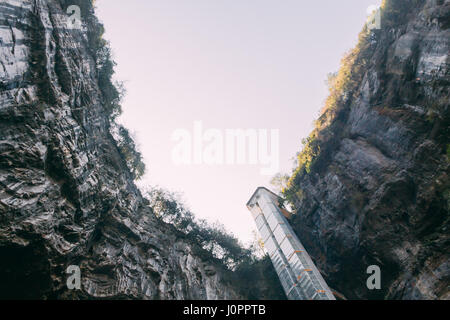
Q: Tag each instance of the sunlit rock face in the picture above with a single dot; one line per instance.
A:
(66, 196)
(380, 194)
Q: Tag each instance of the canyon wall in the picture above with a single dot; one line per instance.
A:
(377, 190)
(66, 194)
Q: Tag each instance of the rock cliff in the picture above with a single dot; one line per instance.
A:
(376, 191)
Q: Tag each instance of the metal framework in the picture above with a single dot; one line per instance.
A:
(297, 273)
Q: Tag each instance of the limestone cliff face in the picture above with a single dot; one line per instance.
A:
(66, 195)
(379, 193)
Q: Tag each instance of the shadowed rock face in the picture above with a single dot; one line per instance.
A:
(66, 195)
(380, 194)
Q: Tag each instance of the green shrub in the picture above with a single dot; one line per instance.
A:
(258, 280)
(216, 242)
(112, 93)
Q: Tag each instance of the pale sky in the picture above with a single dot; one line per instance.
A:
(232, 64)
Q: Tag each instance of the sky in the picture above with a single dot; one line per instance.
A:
(227, 65)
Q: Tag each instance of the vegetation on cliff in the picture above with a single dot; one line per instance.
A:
(253, 276)
(343, 88)
(371, 183)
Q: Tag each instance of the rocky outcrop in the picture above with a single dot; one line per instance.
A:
(66, 194)
(379, 194)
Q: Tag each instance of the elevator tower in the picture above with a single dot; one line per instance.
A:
(297, 273)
